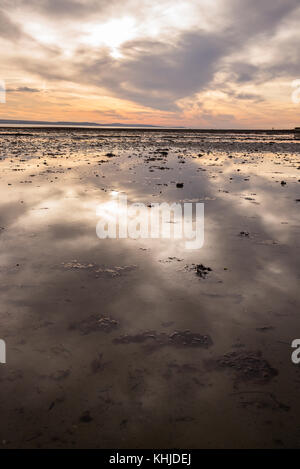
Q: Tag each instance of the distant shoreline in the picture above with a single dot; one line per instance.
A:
(51, 127)
(23, 124)
(18, 122)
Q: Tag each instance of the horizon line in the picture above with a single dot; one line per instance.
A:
(136, 125)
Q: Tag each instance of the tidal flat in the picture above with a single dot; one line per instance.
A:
(142, 343)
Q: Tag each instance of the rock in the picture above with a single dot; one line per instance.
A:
(85, 417)
(202, 271)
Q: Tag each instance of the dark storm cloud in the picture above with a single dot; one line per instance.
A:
(156, 74)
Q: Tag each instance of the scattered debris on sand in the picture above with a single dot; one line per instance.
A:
(247, 366)
(260, 400)
(95, 323)
(169, 260)
(114, 271)
(160, 339)
(202, 271)
(268, 242)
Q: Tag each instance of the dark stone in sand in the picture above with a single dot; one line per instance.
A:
(264, 328)
(86, 418)
(153, 159)
(162, 168)
(179, 185)
(163, 152)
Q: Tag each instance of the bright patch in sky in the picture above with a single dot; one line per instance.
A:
(111, 34)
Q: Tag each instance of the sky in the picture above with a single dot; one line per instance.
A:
(203, 63)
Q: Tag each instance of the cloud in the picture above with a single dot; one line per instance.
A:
(160, 70)
(250, 97)
(22, 89)
(70, 10)
(251, 17)
(8, 29)
(157, 74)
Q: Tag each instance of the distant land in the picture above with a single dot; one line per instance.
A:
(19, 122)
(79, 124)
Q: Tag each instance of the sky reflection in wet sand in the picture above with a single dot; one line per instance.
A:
(57, 276)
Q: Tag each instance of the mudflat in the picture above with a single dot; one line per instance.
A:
(142, 343)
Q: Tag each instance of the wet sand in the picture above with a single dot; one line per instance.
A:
(121, 343)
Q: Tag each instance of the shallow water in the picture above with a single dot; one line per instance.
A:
(68, 298)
